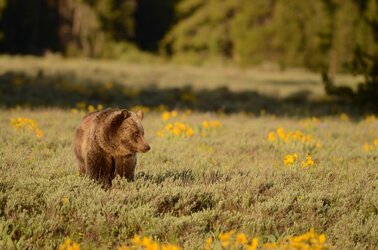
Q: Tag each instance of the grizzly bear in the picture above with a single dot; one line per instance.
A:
(106, 143)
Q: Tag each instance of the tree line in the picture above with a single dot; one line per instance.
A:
(314, 34)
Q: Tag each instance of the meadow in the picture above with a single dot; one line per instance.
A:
(240, 159)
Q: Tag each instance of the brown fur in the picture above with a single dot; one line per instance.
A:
(106, 144)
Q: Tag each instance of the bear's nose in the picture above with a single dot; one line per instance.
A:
(146, 148)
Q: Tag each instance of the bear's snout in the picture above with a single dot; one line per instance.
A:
(146, 148)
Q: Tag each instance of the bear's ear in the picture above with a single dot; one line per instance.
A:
(118, 117)
(126, 113)
(140, 114)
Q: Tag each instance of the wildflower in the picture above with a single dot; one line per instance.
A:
(177, 129)
(308, 162)
(322, 238)
(28, 124)
(166, 115)
(367, 147)
(241, 238)
(271, 136)
(211, 124)
(68, 245)
(254, 244)
(208, 243)
(100, 107)
(225, 238)
(290, 159)
(91, 108)
(38, 133)
(281, 132)
(375, 142)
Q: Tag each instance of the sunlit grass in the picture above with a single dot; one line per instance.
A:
(189, 190)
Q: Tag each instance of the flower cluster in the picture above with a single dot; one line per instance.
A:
(69, 245)
(166, 115)
(310, 240)
(29, 124)
(178, 129)
(290, 159)
(229, 240)
(370, 147)
(226, 240)
(148, 244)
(290, 136)
(211, 124)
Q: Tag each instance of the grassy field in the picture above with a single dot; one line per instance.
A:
(245, 166)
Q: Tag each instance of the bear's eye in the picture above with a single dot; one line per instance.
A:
(136, 134)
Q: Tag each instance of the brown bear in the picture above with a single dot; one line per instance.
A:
(106, 143)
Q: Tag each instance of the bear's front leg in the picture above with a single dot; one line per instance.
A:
(125, 166)
(101, 169)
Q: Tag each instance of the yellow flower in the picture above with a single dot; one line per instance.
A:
(189, 132)
(211, 124)
(225, 238)
(322, 238)
(91, 108)
(39, 133)
(367, 147)
(241, 238)
(290, 159)
(28, 124)
(308, 162)
(208, 243)
(68, 245)
(281, 132)
(165, 116)
(254, 244)
(205, 124)
(137, 241)
(272, 136)
(100, 107)
(375, 142)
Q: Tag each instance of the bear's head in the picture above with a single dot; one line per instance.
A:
(121, 133)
